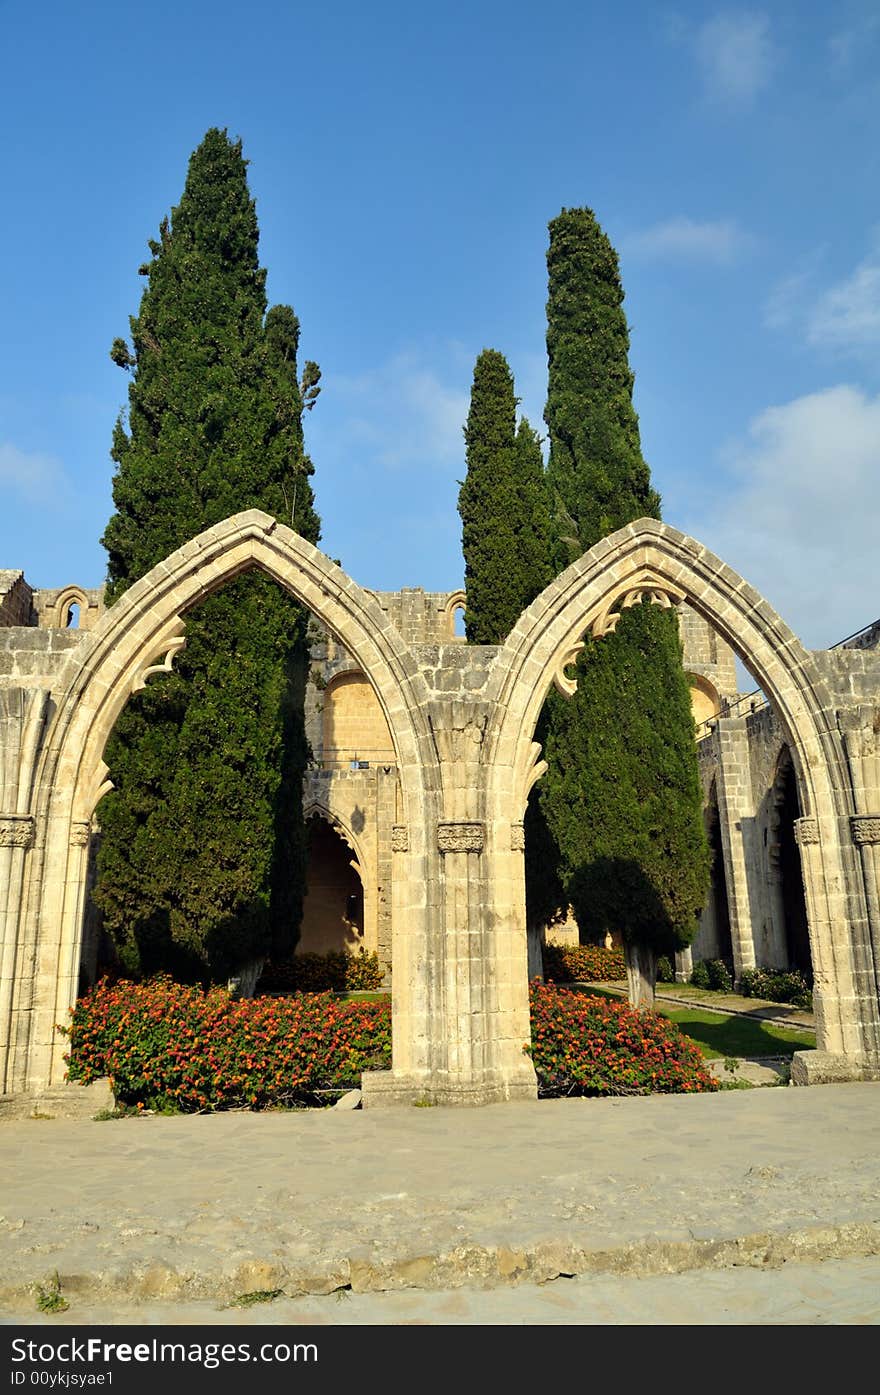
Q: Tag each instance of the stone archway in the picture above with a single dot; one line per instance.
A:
(648, 559)
(138, 637)
(461, 720)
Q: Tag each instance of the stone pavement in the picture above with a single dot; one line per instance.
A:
(423, 1208)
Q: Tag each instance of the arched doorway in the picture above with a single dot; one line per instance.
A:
(333, 910)
(786, 872)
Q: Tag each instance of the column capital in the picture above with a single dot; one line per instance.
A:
(460, 837)
(80, 833)
(865, 828)
(806, 831)
(16, 830)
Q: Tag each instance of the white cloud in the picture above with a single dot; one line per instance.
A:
(802, 516)
(403, 412)
(787, 302)
(847, 316)
(35, 478)
(736, 56)
(719, 242)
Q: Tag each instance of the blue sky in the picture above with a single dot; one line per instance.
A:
(406, 160)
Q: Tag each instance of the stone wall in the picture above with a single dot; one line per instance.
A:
(32, 657)
(16, 599)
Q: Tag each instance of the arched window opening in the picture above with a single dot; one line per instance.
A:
(785, 860)
(333, 910)
(456, 605)
(71, 621)
(705, 702)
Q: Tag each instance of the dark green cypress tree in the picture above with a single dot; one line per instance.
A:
(503, 504)
(533, 530)
(487, 503)
(202, 859)
(621, 795)
(505, 514)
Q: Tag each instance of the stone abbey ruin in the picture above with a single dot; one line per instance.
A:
(423, 758)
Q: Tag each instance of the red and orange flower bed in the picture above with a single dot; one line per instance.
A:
(166, 1046)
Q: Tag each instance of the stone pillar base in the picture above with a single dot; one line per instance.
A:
(67, 1101)
(383, 1089)
(824, 1068)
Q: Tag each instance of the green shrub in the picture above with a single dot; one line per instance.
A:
(583, 964)
(700, 974)
(665, 970)
(166, 1046)
(336, 972)
(584, 1045)
(720, 977)
(777, 986)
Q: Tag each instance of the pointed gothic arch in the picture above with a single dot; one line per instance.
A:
(136, 638)
(650, 560)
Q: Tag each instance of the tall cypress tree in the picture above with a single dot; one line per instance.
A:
(503, 507)
(621, 795)
(487, 503)
(533, 517)
(505, 515)
(202, 858)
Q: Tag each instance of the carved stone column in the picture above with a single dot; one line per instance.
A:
(22, 718)
(736, 810)
(861, 734)
(16, 837)
(468, 1057)
(866, 836)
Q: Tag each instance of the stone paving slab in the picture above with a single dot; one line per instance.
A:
(310, 1202)
(836, 1292)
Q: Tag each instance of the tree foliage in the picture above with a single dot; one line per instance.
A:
(506, 540)
(621, 795)
(503, 507)
(202, 857)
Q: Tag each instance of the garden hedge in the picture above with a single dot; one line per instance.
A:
(583, 964)
(167, 1046)
(586, 1045)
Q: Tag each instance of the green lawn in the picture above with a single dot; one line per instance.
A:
(737, 1036)
(719, 1035)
